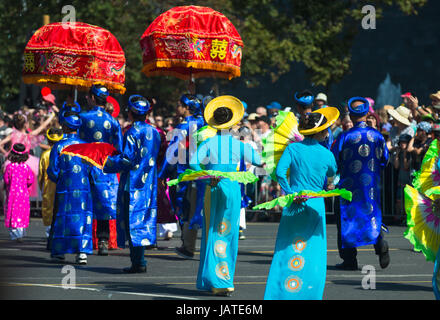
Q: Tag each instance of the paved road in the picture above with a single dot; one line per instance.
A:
(27, 273)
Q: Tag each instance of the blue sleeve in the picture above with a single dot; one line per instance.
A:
(171, 152)
(53, 169)
(385, 153)
(332, 166)
(281, 170)
(250, 155)
(124, 161)
(337, 146)
(117, 139)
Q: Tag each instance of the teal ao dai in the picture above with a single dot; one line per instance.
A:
(219, 245)
(299, 263)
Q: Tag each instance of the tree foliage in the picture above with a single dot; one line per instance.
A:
(277, 34)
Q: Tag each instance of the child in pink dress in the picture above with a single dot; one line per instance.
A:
(18, 179)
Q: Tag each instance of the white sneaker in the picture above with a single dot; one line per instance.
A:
(81, 258)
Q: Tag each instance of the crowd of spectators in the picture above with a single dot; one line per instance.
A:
(408, 128)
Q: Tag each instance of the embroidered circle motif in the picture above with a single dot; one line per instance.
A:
(97, 135)
(296, 263)
(355, 166)
(76, 168)
(293, 284)
(371, 136)
(366, 179)
(220, 249)
(222, 270)
(355, 138)
(347, 154)
(379, 152)
(364, 150)
(371, 165)
(224, 227)
(299, 245)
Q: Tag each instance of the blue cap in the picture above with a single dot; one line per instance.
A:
(192, 102)
(138, 104)
(71, 107)
(360, 110)
(244, 104)
(72, 121)
(274, 105)
(304, 101)
(99, 91)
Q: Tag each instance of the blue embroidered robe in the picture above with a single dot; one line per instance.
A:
(100, 126)
(360, 152)
(73, 216)
(181, 139)
(138, 168)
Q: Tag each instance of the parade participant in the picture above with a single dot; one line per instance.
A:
(48, 187)
(137, 193)
(71, 230)
(361, 153)
(222, 152)
(18, 178)
(189, 107)
(99, 126)
(298, 268)
(304, 104)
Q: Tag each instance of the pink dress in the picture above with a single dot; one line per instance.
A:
(18, 178)
(29, 142)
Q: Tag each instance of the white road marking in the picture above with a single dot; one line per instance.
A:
(100, 290)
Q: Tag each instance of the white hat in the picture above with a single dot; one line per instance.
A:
(252, 116)
(401, 114)
(321, 96)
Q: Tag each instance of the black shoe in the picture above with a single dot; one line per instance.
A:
(384, 256)
(347, 266)
(103, 248)
(135, 269)
(184, 253)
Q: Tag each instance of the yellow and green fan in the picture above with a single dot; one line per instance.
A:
(287, 200)
(423, 220)
(285, 132)
(203, 134)
(428, 176)
(191, 175)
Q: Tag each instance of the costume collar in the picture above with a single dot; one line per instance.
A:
(310, 140)
(69, 136)
(98, 108)
(361, 124)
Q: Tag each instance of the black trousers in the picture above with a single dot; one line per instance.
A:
(102, 230)
(349, 254)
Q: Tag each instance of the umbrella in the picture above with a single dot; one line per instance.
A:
(287, 200)
(285, 132)
(423, 220)
(66, 55)
(191, 175)
(191, 42)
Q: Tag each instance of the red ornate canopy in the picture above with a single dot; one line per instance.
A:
(191, 40)
(76, 54)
